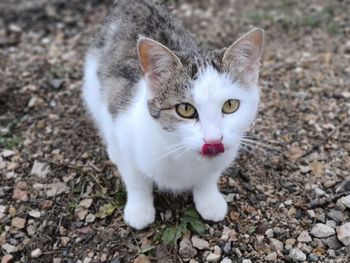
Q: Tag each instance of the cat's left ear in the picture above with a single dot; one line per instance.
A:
(242, 58)
(156, 60)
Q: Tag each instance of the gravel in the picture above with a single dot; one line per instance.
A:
(61, 195)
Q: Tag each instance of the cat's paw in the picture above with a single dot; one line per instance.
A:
(213, 208)
(139, 216)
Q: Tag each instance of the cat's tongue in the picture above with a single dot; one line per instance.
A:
(209, 149)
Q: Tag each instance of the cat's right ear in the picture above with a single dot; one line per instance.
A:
(156, 60)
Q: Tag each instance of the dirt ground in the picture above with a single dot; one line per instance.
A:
(289, 196)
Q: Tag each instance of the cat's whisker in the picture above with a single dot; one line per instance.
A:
(171, 151)
(261, 144)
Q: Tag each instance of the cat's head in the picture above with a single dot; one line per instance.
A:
(204, 99)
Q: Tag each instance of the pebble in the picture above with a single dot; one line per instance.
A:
(142, 259)
(40, 169)
(212, 257)
(246, 261)
(7, 258)
(20, 192)
(276, 244)
(322, 230)
(18, 222)
(331, 223)
(335, 215)
(186, 249)
(3, 209)
(345, 200)
(269, 233)
(87, 260)
(90, 218)
(311, 213)
(332, 242)
(86, 203)
(199, 243)
(312, 257)
(272, 257)
(297, 254)
(227, 248)
(343, 233)
(57, 188)
(36, 253)
(9, 248)
(321, 217)
(57, 83)
(331, 253)
(57, 260)
(304, 237)
(35, 213)
(226, 260)
(229, 234)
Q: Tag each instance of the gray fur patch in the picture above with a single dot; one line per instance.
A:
(119, 69)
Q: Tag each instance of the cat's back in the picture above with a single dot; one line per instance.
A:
(115, 45)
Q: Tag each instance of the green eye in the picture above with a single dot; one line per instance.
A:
(186, 110)
(230, 106)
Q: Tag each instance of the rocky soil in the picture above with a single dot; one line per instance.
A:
(61, 200)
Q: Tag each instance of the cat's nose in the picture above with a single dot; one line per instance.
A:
(213, 148)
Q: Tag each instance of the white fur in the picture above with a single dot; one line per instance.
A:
(146, 154)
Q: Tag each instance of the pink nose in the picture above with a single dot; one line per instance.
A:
(212, 149)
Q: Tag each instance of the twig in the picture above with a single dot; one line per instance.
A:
(325, 139)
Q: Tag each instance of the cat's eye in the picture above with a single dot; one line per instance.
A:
(186, 110)
(230, 106)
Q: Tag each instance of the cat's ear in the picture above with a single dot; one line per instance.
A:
(156, 60)
(242, 58)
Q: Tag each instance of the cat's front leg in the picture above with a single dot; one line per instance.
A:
(208, 200)
(139, 210)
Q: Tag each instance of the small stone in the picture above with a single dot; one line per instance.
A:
(3, 209)
(20, 192)
(331, 253)
(35, 213)
(103, 257)
(343, 234)
(36, 253)
(87, 260)
(213, 257)
(345, 200)
(86, 203)
(193, 261)
(246, 261)
(55, 189)
(276, 244)
(288, 202)
(272, 257)
(7, 258)
(312, 257)
(229, 234)
(18, 222)
(321, 217)
(311, 213)
(332, 242)
(226, 260)
(269, 233)
(336, 215)
(199, 243)
(186, 249)
(227, 248)
(261, 229)
(90, 218)
(322, 230)
(304, 237)
(331, 223)
(297, 254)
(57, 83)
(81, 213)
(7, 153)
(142, 259)
(317, 169)
(40, 169)
(9, 248)
(57, 260)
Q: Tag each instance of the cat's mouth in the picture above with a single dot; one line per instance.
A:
(212, 149)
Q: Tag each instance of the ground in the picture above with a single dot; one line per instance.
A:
(61, 200)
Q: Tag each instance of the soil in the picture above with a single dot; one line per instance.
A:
(61, 199)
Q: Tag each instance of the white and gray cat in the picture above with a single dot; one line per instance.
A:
(171, 114)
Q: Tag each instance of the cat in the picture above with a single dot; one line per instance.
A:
(170, 114)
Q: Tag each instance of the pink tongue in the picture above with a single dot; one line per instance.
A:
(212, 149)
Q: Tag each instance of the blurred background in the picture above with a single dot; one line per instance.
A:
(60, 197)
